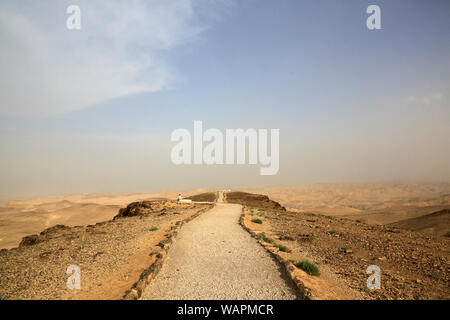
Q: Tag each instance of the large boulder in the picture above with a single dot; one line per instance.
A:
(253, 200)
(138, 209)
(29, 241)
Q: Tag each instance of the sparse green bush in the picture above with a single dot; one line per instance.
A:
(436, 275)
(282, 247)
(153, 229)
(340, 233)
(266, 238)
(258, 221)
(365, 289)
(309, 267)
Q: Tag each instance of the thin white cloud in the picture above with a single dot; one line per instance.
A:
(432, 98)
(426, 100)
(120, 50)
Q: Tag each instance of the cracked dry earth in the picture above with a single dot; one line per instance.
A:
(213, 258)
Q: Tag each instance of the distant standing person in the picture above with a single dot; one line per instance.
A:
(180, 197)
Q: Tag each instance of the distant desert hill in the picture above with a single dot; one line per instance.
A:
(207, 196)
(252, 200)
(436, 222)
(25, 217)
(371, 203)
(394, 214)
(357, 197)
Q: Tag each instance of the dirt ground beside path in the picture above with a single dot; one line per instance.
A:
(111, 255)
(413, 265)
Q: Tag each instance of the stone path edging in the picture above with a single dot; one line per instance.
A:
(151, 272)
(303, 291)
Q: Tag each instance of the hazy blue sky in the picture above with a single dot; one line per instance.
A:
(92, 110)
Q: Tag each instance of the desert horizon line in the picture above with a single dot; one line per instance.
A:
(4, 200)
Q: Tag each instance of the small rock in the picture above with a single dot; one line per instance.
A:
(155, 252)
(132, 295)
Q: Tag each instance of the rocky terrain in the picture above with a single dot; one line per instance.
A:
(412, 253)
(433, 223)
(340, 199)
(204, 197)
(250, 199)
(382, 204)
(20, 218)
(413, 265)
(111, 254)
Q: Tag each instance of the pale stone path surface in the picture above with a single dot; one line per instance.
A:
(213, 257)
(220, 199)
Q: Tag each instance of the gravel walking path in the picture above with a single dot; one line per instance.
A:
(214, 258)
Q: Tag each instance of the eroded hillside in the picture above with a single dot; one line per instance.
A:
(111, 255)
(413, 265)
